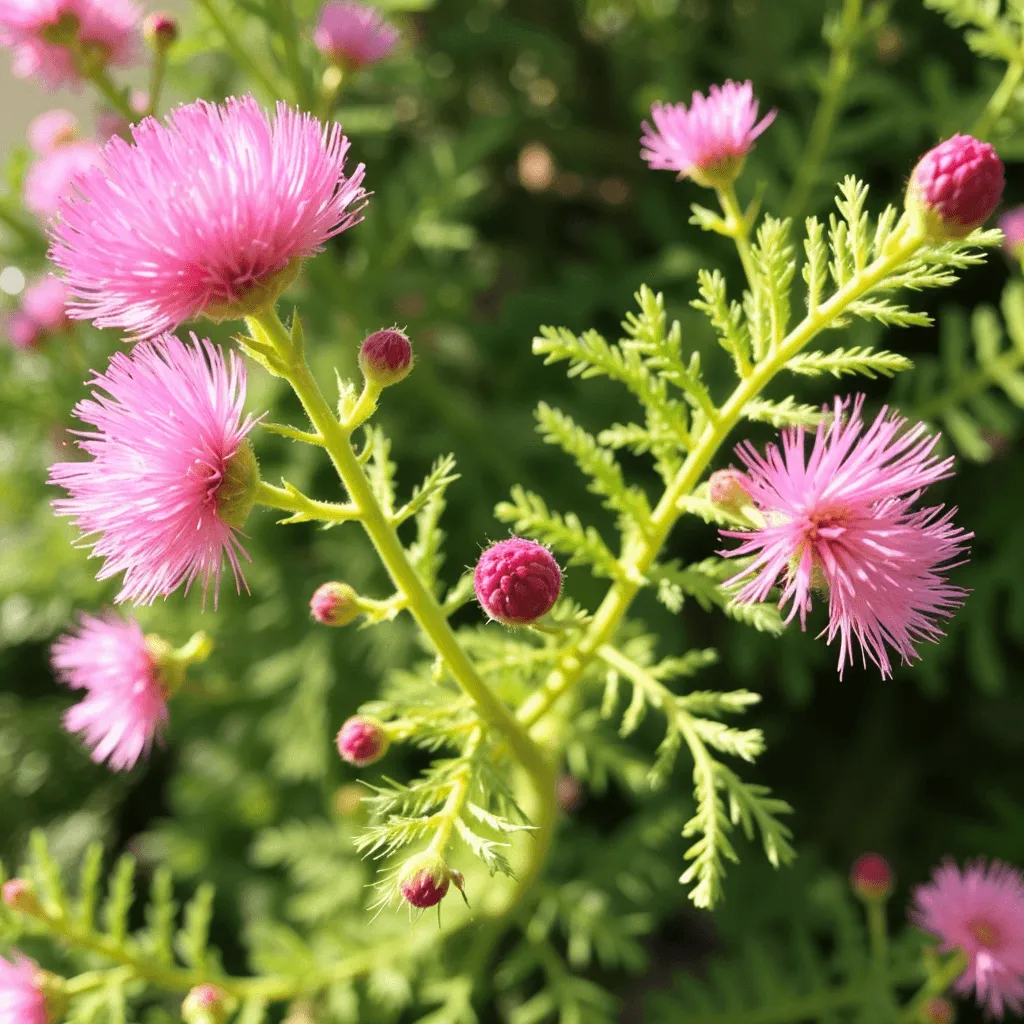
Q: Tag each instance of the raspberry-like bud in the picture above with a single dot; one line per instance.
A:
(362, 741)
(19, 895)
(938, 1011)
(424, 880)
(385, 357)
(955, 187)
(727, 488)
(517, 581)
(206, 1004)
(160, 30)
(871, 877)
(334, 604)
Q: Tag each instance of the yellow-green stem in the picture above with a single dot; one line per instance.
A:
(644, 549)
(156, 79)
(114, 96)
(739, 230)
(950, 970)
(456, 800)
(1000, 99)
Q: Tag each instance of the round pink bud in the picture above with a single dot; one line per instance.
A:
(334, 604)
(728, 488)
(385, 357)
(569, 793)
(938, 1011)
(955, 187)
(19, 895)
(871, 877)
(424, 880)
(517, 581)
(160, 30)
(206, 1004)
(362, 741)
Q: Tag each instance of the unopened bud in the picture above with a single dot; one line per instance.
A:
(362, 741)
(517, 581)
(938, 1011)
(1011, 224)
(728, 489)
(206, 1004)
(569, 793)
(385, 357)
(334, 604)
(955, 188)
(19, 895)
(424, 880)
(871, 878)
(160, 30)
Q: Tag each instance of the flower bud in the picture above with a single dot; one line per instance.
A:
(19, 895)
(160, 30)
(385, 357)
(517, 581)
(362, 741)
(955, 187)
(424, 880)
(871, 878)
(569, 793)
(334, 604)
(938, 1011)
(206, 1004)
(727, 488)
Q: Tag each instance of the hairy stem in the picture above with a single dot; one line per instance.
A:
(638, 556)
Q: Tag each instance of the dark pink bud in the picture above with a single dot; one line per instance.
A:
(871, 877)
(517, 581)
(955, 187)
(728, 488)
(334, 604)
(362, 741)
(160, 30)
(425, 880)
(938, 1011)
(19, 895)
(385, 357)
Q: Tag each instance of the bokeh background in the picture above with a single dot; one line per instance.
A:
(502, 148)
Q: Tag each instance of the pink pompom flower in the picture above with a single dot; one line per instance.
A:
(840, 522)
(979, 911)
(54, 39)
(354, 34)
(210, 212)
(709, 140)
(21, 996)
(52, 178)
(50, 130)
(517, 581)
(125, 706)
(172, 476)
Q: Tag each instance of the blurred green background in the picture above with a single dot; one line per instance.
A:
(502, 148)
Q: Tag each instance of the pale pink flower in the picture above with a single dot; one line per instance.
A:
(209, 212)
(21, 998)
(709, 140)
(354, 34)
(980, 911)
(52, 177)
(125, 706)
(51, 129)
(41, 33)
(43, 302)
(840, 522)
(172, 476)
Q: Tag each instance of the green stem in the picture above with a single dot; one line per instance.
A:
(1000, 99)
(456, 800)
(304, 509)
(290, 39)
(245, 59)
(156, 79)
(936, 984)
(644, 549)
(840, 68)
(739, 230)
(112, 94)
(331, 83)
(878, 943)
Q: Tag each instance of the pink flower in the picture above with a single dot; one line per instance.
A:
(353, 34)
(51, 177)
(1012, 226)
(52, 129)
(43, 33)
(980, 911)
(209, 212)
(172, 476)
(22, 331)
(125, 706)
(708, 141)
(21, 998)
(841, 522)
(43, 302)
(517, 581)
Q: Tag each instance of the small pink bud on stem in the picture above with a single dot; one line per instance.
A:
(871, 878)
(425, 880)
(19, 895)
(938, 1011)
(362, 741)
(160, 30)
(206, 1004)
(385, 358)
(728, 489)
(335, 604)
(517, 581)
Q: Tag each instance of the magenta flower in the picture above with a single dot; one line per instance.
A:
(125, 706)
(21, 998)
(353, 34)
(208, 212)
(44, 34)
(172, 476)
(979, 911)
(50, 130)
(840, 523)
(52, 177)
(708, 141)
